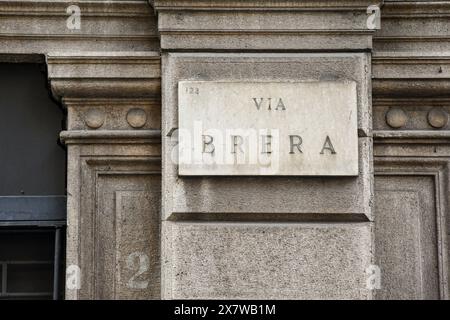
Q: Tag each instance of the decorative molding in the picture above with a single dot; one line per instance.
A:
(396, 118)
(116, 8)
(265, 5)
(40, 26)
(403, 65)
(113, 113)
(101, 75)
(102, 180)
(111, 136)
(411, 136)
(412, 49)
(264, 25)
(424, 9)
(437, 168)
(99, 89)
(409, 144)
(401, 88)
(414, 113)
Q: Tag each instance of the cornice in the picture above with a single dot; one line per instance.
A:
(415, 28)
(265, 5)
(40, 26)
(411, 56)
(116, 8)
(104, 75)
(106, 58)
(390, 65)
(264, 25)
(410, 87)
(415, 9)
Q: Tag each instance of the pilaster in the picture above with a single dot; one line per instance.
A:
(410, 76)
(256, 236)
(113, 176)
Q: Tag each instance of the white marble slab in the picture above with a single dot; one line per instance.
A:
(267, 128)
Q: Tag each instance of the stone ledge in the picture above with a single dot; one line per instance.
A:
(160, 5)
(36, 27)
(264, 25)
(110, 136)
(411, 51)
(282, 260)
(413, 28)
(93, 8)
(391, 87)
(100, 75)
(412, 135)
(395, 9)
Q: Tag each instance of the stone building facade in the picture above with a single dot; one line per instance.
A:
(137, 228)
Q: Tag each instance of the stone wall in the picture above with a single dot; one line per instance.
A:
(137, 229)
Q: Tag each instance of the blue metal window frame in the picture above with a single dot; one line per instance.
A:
(35, 211)
(32, 210)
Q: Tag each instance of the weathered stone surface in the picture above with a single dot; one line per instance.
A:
(229, 260)
(229, 237)
(38, 27)
(126, 241)
(266, 261)
(104, 75)
(114, 180)
(413, 28)
(267, 128)
(411, 50)
(113, 214)
(116, 113)
(413, 114)
(408, 238)
(349, 195)
(247, 25)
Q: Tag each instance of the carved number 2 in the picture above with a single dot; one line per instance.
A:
(138, 261)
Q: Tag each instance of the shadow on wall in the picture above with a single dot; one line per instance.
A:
(32, 162)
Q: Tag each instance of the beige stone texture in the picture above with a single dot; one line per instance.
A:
(246, 25)
(267, 260)
(114, 171)
(138, 230)
(267, 128)
(234, 195)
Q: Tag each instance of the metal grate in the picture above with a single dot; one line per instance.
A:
(30, 261)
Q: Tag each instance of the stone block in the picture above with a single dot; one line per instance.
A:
(295, 195)
(267, 128)
(266, 261)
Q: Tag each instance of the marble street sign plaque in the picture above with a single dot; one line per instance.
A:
(267, 128)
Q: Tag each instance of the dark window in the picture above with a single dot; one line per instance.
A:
(30, 261)
(32, 185)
